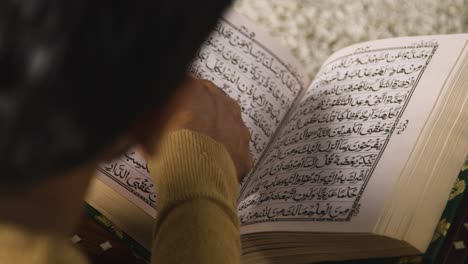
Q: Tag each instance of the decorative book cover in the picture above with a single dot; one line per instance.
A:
(429, 257)
(103, 221)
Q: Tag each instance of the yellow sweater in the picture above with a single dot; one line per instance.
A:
(197, 222)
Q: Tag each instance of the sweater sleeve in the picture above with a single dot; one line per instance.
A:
(197, 190)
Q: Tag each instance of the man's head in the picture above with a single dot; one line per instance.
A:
(75, 75)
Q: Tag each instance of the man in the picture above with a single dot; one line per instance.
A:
(80, 82)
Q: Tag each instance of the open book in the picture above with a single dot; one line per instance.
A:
(358, 163)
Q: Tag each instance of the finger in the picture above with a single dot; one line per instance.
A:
(221, 91)
(246, 134)
(237, 112)
(213, 87)
(247, 159)
(248, 165)
(209, 85)
(218, 91)
(250, 162)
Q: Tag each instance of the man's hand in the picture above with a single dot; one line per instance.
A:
(202, 107)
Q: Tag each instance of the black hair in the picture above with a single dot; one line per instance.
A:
(75, 74)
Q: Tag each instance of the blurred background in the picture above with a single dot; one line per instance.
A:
(314, 29)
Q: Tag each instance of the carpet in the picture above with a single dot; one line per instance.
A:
(314, 29)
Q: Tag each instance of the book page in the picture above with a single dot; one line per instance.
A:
(263, 78)
(348, 140)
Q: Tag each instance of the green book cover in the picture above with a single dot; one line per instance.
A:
(428, 258)
(134, 246)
